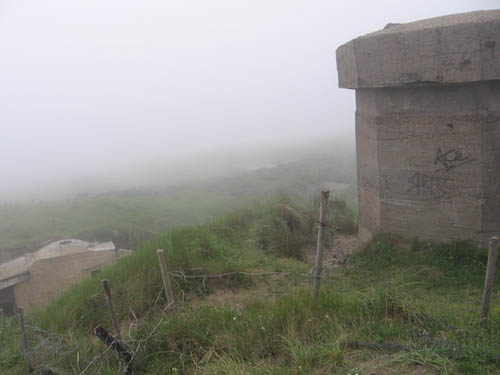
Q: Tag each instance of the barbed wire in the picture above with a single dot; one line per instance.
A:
(181, 274)
(139, 343)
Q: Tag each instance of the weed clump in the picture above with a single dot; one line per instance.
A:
(342, 216)
(462, 261)
(284, 230)
(459, 254)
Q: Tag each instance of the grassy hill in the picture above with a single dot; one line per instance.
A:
(129, 217)
(395, 308)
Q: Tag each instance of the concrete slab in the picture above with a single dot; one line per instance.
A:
(451, 49)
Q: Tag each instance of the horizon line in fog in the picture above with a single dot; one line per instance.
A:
(173, 170)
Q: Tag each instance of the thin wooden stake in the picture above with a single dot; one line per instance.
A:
(323, 214)
(112, 314)
(24, 336)
(490, 276)
(166, 280)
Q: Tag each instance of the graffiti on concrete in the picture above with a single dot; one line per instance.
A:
(425, 185)
(432, 187)
(451, 159)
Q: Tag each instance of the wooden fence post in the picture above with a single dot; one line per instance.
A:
(123, 355)
(114, 321)
(490, 276)
(323, 215)
(24, 337)
(166, 279)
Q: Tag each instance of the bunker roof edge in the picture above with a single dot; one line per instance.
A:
(452, 49)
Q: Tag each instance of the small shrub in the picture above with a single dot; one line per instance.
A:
(276, 237)
(284, 231)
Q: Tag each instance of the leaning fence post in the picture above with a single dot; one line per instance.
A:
(166, 279)
(114, 321)
(24, 337)
(490, 276)
(323, 214)
(123, 355)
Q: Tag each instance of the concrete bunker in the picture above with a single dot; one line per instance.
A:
(34, 279)
(428, 126)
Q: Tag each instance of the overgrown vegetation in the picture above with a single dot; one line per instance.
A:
(394, 309)
(285, 230)
(134, 216)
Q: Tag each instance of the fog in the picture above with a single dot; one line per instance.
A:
(99, 94)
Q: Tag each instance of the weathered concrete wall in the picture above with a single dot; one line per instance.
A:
(7, 300)
(51, 277)
(432, 168)
(428, 126)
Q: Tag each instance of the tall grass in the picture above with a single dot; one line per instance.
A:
(389, 296)
(133, 216)
(286, 229)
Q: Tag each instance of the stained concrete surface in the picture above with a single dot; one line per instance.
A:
(428, 126)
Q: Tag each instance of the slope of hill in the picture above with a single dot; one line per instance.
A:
(129, 217)
(245, 307)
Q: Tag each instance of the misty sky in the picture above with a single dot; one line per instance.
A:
(95, 83)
